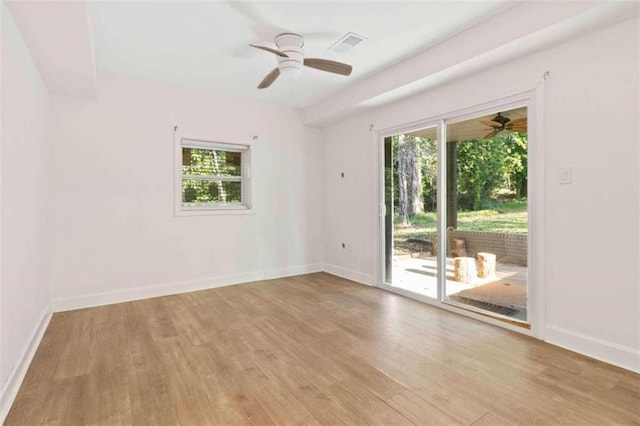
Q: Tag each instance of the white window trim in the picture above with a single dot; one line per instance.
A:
(245, 147)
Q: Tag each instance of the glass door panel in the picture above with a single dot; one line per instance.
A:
(410, 192)
(487, 214)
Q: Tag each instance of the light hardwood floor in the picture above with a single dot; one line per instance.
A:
(313, 349)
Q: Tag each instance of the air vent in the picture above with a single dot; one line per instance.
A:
(347, 42)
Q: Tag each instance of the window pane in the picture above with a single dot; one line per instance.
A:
(207, 191)
(199, 161)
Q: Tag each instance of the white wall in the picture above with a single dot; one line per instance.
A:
(590, 111)
(114, 235)
(24, 291)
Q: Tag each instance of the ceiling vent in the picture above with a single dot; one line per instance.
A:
(347, 42)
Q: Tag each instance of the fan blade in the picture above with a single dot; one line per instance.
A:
(270, 78)
(327, 65)
(518, 129)
(268, 49)
(490, 123)
(519, 122)
(490, 134)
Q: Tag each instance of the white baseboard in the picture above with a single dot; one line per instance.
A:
(11, 386)
(291, 271)
(349, 274)
(167, 289)
(609, 352)
(158, 290)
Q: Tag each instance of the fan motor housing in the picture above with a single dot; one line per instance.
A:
(291, 44)
(501, 119)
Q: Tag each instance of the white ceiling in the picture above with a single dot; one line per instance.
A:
(206, 44)
(411, 46)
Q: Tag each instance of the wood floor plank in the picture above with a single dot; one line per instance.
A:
(463, 407)
(312, 349)
(490, 419)
(420, 411)
(365, 406)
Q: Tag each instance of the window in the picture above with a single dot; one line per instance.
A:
(213, 176)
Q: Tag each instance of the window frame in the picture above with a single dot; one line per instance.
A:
(244, 148)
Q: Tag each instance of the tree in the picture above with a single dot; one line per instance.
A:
(516, 162)
(410, 153)
(199, 162)
(483, 166)
(429, 174)
(481, 169)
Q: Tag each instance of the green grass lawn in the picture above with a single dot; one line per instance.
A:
(508, 216)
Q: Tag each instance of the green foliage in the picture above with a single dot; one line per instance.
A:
(511, 220)
(425, 220)
(205, 191)
(516, 162)
(429, 166)
(488, 165)
(203, 162)
(207, 162)
(506, 216)
(491, 184)
(481, 169)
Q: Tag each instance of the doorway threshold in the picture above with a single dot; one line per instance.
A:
(485, 313)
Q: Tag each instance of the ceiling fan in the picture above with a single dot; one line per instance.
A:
(291, 59)
(500, 123)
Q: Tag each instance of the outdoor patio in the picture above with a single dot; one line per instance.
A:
(505, 294)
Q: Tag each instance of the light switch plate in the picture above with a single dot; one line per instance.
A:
(564, 176)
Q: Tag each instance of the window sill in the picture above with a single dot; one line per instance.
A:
(213, 212)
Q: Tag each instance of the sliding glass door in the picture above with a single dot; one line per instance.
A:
(480, 229)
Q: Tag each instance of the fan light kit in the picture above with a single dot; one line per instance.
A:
(291, 45)
(291, 59)
(501, 123)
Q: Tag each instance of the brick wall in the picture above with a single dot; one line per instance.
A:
(508, 248)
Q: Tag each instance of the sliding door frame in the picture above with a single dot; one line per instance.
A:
(531, 98)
